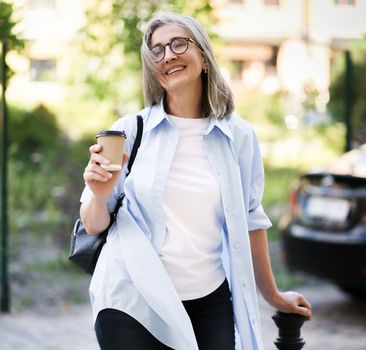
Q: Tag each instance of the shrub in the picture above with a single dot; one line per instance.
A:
(33, 131)
(45, 174)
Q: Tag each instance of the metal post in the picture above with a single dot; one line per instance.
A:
(348, 99)
(5, 289)
(289, 325)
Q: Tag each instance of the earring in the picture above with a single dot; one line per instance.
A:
(205, 69)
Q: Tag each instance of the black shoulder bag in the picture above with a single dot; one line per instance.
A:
(85, 249)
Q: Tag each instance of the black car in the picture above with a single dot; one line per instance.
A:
(324, 229)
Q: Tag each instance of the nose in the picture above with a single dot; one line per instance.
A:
(169, 54)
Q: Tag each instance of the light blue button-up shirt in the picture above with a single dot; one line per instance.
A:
(130, 276)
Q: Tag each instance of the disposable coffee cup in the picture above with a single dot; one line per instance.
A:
(112, 142)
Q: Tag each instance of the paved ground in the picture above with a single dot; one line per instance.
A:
(68, 329)
(338, 324)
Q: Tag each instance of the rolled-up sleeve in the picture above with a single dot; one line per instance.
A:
(257, 218)
(87, 193)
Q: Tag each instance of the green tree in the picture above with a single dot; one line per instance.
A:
(112, 38)
(8, 36)
(8, 40)
(358, 90)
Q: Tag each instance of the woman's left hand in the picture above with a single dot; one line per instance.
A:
(292, 302)
(289, 302)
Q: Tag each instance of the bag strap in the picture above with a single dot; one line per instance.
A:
(136, 144)
(135, 147)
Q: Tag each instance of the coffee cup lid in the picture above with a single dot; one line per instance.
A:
(111, 133)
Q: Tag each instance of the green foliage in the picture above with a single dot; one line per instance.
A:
(311, 95)
(33, 131)
(44, 186)
(267, 108)
(264, 112)
(358, 89)
(112, 41)
(8, 24)
(9, 39)
(277, 184)
(45, 170)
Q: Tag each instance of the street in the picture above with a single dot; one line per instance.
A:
(338, 324)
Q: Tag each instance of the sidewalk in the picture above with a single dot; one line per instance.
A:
(338, 324)
(70, 329)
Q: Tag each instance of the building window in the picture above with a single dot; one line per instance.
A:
(271, 63)
(41, 4)
(271, 2)
(345, 2)
(42, 70)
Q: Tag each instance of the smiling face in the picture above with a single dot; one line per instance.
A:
(178, 72)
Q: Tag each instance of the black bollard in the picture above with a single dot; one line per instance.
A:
(289, 325)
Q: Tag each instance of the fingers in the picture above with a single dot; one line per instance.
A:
(303, 311)
(94, 172)
(124, 159)
(305, 303)
(95, 148)
(303, 307)
(294, 302)
(95, 157)
(99, 159)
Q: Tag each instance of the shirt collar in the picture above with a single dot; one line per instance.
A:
(158, 115)
(222, 124)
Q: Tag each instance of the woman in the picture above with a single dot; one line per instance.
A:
(181, 263)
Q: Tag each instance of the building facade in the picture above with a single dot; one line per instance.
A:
(269, 44)
(283, 43)
(48, 27)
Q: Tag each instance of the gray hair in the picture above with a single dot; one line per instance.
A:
(217, 98)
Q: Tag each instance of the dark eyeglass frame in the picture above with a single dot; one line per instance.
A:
(170, 44)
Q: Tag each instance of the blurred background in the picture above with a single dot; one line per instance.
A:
(297, 69)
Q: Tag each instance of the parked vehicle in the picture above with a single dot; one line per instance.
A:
(324, 229)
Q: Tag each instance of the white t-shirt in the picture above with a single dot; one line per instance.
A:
(194, 215)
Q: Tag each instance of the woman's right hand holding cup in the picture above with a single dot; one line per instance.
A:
(100, 181)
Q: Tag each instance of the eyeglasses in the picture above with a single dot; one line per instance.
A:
(176, 45)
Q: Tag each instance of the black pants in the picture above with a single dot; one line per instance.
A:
(211, 317)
